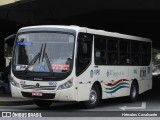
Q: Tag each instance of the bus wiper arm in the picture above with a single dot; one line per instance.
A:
(48, 62)
(40, 53)
(45, 55)
(35, 58)
(33, 61)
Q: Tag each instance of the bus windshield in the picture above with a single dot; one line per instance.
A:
(44, 52)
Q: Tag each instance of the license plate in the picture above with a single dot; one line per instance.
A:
(37, 93)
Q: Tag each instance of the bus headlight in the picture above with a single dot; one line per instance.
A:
(14, 83)
(66, 85)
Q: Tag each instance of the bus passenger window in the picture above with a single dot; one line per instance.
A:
(112, 58)
(135, 53)
(112, 51)
(100, 50)
(124, 52)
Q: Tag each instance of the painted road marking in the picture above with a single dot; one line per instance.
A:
(143, 106)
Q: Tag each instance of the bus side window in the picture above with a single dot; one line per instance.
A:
(100, 50)
(84, 52)
(112, 51)
(124, 52)
(135, 53)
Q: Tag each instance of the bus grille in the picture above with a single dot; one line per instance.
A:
(38, 88)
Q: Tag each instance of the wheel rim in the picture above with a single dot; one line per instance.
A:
(134, 92)
(93, 96)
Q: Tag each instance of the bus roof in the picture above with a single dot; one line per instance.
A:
(88, 30)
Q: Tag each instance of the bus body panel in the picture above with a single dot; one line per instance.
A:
(143, 75)
(60, 95)
(115, 80)
(86, 80)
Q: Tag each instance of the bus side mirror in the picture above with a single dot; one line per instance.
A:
(10, 38)
(8, 50)
(5, 50)
(8, 45)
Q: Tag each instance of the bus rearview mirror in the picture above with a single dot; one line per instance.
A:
(10, 37)
(8, 45)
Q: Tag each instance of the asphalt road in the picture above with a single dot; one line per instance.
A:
(147, 102)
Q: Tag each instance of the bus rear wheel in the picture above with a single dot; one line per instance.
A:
(94, 98)
(42, 103)
(133, 92)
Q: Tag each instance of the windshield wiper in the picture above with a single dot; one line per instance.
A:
(48, 62)
(45, 55)
(40, 53)
(34, 59)
(44, 52)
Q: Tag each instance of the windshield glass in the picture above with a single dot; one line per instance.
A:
(44, 52)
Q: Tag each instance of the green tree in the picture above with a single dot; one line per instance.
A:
(154, 53)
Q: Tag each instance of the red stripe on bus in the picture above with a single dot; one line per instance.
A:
(113, 84)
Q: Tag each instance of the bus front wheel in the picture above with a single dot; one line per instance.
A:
(42, 103)
(94, 98)
(133, 92)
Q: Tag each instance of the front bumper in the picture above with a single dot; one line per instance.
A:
(58, 95)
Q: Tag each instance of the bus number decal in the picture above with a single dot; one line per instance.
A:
(94, 72)
(52, 83)
(97, 72)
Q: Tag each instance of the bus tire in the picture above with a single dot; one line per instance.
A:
(94, 98)
(42, 103)
(133, 92)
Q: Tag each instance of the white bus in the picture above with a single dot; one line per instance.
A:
(71, 63)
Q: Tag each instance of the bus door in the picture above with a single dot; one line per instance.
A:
(84, 70)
